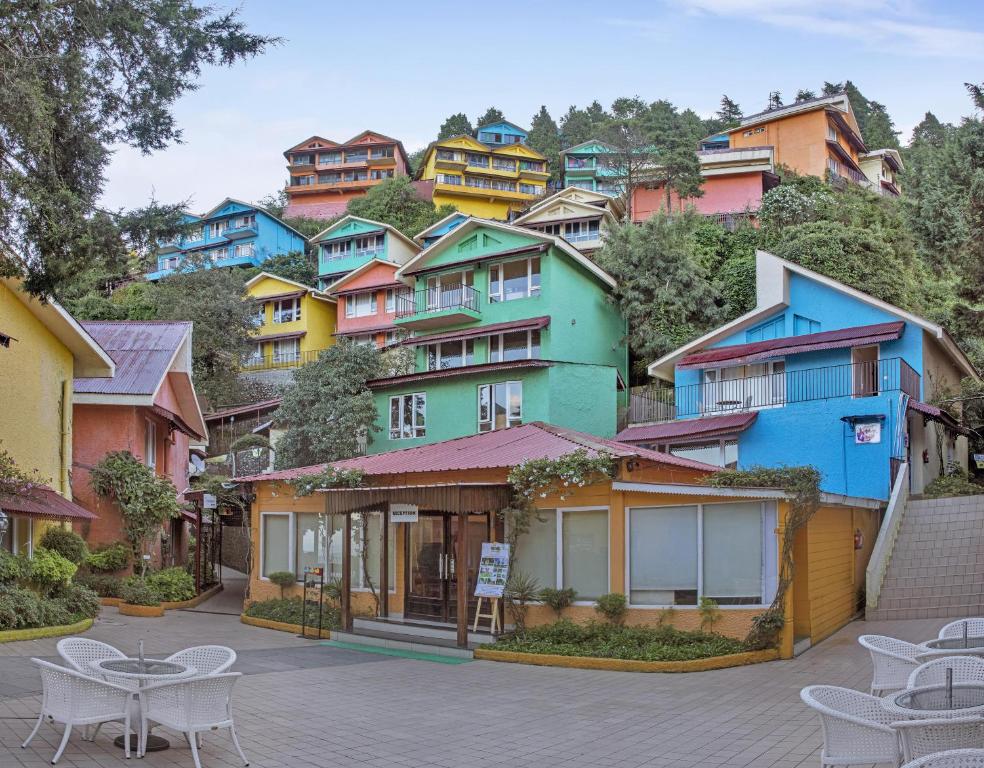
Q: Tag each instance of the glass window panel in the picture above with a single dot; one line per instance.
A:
(663, 555)
(536, 553)
(535, 276)
(731, 454)
(495, 283)
(394, 417)
(732, 535)
(407, 416)
(420, 414)
(432, 357)
(484, 408)
(451, 356)
(310, 542)
(276, 543)
(515, 346)
(500, 405)
(515, 279)
(585, 553)
(534, 344)
(469, 352)
(515, 389)
(495, 351)
(709, 453)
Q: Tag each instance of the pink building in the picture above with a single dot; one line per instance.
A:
(148, 408)
(367, 303)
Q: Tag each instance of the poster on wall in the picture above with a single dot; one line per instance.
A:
(493, 570)
(979, 460)
(867, 434)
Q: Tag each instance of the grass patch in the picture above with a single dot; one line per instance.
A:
(288, 610)
(607, 641)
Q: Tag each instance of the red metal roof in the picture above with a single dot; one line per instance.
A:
(500, 448)
(236, 410)
(791, 345)
(142, 351)
(278, 336)
(937, 414)
(464, 370)
(532, 323)
(176, 421)
(43, 501)
(279, 296)
(712, 426)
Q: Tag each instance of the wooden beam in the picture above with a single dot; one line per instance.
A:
(462, 577)
(384, 574)
(347, 575)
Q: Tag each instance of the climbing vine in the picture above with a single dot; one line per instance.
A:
(329, 477)
(13, 480)
(803, 486)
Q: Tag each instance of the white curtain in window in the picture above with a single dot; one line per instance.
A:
(585, 553)
(733, 551)
(662, 553)
(276, 543)
(310, 540)
(536, 551)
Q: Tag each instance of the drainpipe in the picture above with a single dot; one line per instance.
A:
(66, 439)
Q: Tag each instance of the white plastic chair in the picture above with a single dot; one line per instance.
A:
(952, 758)
(72, 698)
(191, 707)
(921, 738)
(966, 669)
(856, 728)
(893, 661)
(975, 628)
(206, 659)
(82, 653)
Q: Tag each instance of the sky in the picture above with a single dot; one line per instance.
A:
(400, 68)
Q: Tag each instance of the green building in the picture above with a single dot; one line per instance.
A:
(588, 166)
(509, 326)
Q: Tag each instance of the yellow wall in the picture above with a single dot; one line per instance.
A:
(317, 317)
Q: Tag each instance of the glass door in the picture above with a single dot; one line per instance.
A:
(427, 564)
(478, 531)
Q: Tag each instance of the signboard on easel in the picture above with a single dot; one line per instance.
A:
(493, 570)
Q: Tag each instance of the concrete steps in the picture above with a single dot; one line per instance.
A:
(937, 565)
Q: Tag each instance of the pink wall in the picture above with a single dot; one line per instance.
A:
(722, 194)
(378, 275)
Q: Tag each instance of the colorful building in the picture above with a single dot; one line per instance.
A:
(324, 175)
(294, 323)
(818, 358)
(882, 168)
(586, 166)
(510, 326)
(501, 133)
(653, 532)
(367, 299)
(493, 182)
(149, 408)
(352, 242)
(232, 234)
(439, 229)
(580, 216)
(42, 348)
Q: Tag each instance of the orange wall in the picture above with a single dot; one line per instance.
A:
(800, 141)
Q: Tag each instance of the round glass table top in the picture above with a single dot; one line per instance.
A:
(936, 698)
(144, 667)
(955, 643)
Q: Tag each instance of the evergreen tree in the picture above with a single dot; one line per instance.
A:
(544, 137)
(491, 115)
(580, 125)
(456, 125)
(397, 203)
(805, 94)
(730, 113)
(296, 265)
(775, 100)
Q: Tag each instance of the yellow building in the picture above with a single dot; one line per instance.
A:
(42, 349)
(484, 181)
(294, 322)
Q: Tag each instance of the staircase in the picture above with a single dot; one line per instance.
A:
(936, 568)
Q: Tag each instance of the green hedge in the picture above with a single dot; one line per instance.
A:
(103, 584)
(109, 558)
(172, 584)
(25, 609)
(288, 610)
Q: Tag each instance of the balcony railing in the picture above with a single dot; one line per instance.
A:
(775, 390)
(282, 360)
(447, 297)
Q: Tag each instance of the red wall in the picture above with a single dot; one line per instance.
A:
(722, 194)
(378, 275)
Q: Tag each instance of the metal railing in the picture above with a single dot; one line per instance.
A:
(437, 299)
(712, 398)
(881, 553)
(282, 360)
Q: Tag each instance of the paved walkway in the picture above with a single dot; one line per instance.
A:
(302, 705)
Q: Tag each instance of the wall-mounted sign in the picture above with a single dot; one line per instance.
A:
(403, 513)
(867, 434)
(209, 501)
(979, 460)
(493, 570)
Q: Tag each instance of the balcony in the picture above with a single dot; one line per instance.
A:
(238, 233)
(437, 307)
(290, 359)
(714, 398)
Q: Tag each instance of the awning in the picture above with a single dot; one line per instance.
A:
(364, 331)
(278, 337)
(441, 497)
(792, 345)
(278, 296)
(687, 429)
(395, 285)
(176, 421)
(531, 324)
(933, 413)
(465, 370)
(43, 501)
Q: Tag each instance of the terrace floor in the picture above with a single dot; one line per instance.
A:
(303, 705)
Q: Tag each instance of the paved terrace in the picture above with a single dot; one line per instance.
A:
(302, 705)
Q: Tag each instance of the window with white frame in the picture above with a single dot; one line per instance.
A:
(518, 279)
(318, 541)
(259, 314)
(335, 250)
(450, 354)
(255, 356)
(451, 290)
(219, 228)
(275, 544)
(500, 405)
(244, 221)
(408, 416)
(720, 453)
(679, 554)
(287, 351)
(391, 338)
(363, 339)
(150, 444)
(390, 300)
(304, 159)
(567, 548)
(518, 345)
(360, 304)
(369, 246)
(196, 234)
(737, 387)
(287, 310)
(581, 231)
(245, 250)
(530, 189)
(19, 539)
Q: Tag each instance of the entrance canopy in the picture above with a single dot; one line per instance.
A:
(452, 498)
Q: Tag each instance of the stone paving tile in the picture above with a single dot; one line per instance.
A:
(302, 705)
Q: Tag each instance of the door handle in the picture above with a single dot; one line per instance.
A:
(440, 568)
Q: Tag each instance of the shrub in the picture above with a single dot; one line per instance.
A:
(53, 613)
(136, 591)
(613, 607)
(68, 544)
(954, 483)
(109, 557)
(172, 584)
(12, 568)
(289, 610)
(282, 579)
(521, 588)
(23, 609)
(710, 613)
(103, 584)
(47, 568)
(78, 600)
(558, 599)
(19, 608)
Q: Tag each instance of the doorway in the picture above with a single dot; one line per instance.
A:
(432, 567)
(866, 375)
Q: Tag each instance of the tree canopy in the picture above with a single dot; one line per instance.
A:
(457, 124)
(397, 203)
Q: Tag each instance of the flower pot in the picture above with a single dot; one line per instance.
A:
(146, 611)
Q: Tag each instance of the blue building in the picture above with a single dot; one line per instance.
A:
(501, 134)
(232, 234)
(817, 374)
(439, 229)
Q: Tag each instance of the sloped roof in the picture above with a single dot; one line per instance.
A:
(382, 227)
(142, 351)
(712, 426)
(501, 448)
(42, 501)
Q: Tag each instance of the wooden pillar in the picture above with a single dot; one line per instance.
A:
(384, 574)
(347, 574)
(198, 548)
(462, 578)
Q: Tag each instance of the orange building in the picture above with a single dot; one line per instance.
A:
(324, 174)
(367, 299)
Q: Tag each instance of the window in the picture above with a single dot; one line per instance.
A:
(519, 345)
(20, 538)
(720, 453)
(447, 154)
(355, 176)
(169, 263)
(150, 445)
(381, 152)
(287, 310)
(390, 300)
(451, 290)
(360, 304)
(259, 316)
(329, 178)
(408, 415)
(363, 339)
(531, 189)
(831, 133)
(217, 254)
(368, 247)
(803, 325)
(490, 138)
(219, 228)
(500, 405)
(580, 162)
(501, 164)
(357, 156)
(582, 184)
(255, 357)
(247, 220)
(381, 173)
(302, 159)
(551, 229)
(302, 181)
(477, 161)
(287, 351)
(726, 552)
(514, 279)
(832, 166)
(450, 354)
(536, 554)
(503, 186)
(445, 178)
(471, 181)
(330, 158)
(756, 385)
(196, 234)
(335, 250)
(245, 250)
(531, 165)
(276, 544)
(579, 231)
(391, 338)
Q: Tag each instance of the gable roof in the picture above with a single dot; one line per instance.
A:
(252, 207)
(381, 136)
(772, 295)
(892, 156)
(379, 224)
(502, 122)
(334, 287)
(421, 236)
(584, 209)
(302, 145)
(314, 292)
(474, 143)
(89, 358)
(500, 448)
(588, 143)
(473, 223)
